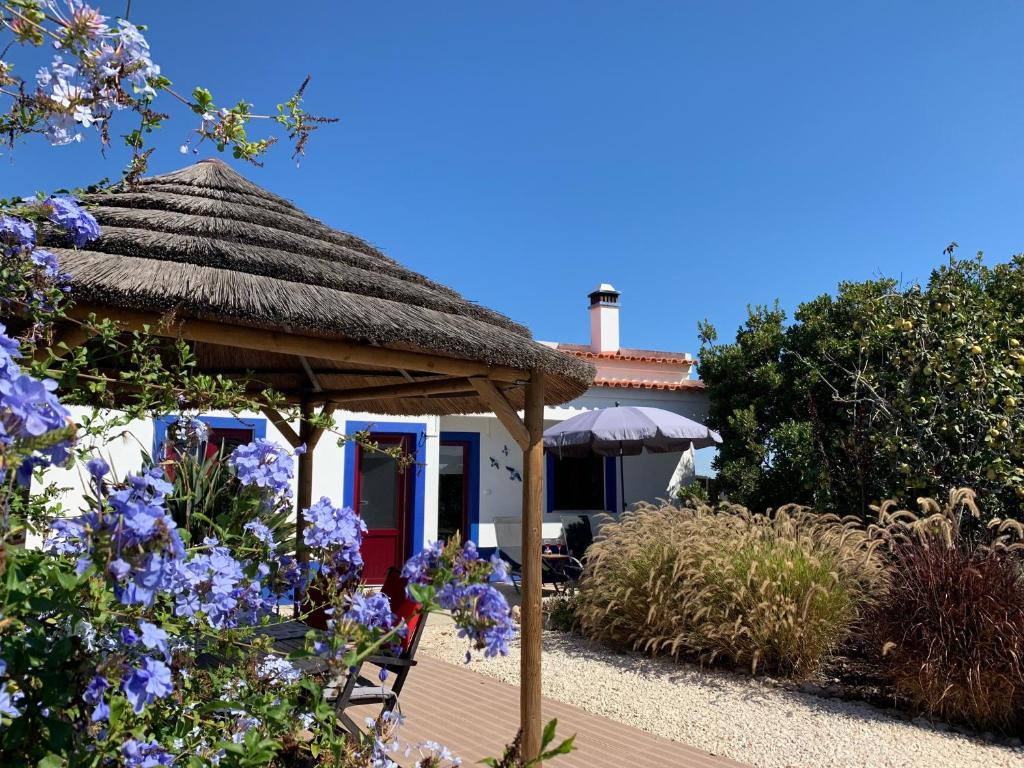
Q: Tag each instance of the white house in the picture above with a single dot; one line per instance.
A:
(468, 469)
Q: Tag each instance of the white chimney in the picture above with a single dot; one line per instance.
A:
(604, 319)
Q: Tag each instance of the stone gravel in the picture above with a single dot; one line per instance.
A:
(729, 714)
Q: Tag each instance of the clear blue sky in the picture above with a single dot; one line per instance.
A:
(699, 155)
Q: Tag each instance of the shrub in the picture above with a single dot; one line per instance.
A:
(951, 627)
(879, 390)
(771, 592)
(561, 613)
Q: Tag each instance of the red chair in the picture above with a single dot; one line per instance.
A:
(359, 690)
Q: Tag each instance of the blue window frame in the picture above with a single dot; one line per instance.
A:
(472, 470)
(161, 423)
(611, 497)
(419, 432)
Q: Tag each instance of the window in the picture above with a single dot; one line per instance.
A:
(225, 433)
(577, 483)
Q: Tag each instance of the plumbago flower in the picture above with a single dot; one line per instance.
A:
(33, 277)
(35, 429)
(455, 578)
(265, 465)
(112, 70)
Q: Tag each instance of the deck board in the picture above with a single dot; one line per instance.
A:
(475, 715)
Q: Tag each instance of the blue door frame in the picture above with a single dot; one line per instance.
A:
(472, 471)
(419, 433)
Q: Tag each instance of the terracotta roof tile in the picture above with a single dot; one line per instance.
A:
(637, 355)
(668, 386)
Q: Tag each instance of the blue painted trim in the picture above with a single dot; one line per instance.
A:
(418, 538)
(611, 496)
(161, 423)
(473, 470)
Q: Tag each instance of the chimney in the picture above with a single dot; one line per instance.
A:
(604, 319)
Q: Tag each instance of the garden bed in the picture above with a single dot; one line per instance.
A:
(759, 721)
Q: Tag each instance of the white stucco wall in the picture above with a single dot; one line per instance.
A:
(500, 495)
(646, 476)
(124, 454)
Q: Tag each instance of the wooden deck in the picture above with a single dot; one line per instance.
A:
(475, 715)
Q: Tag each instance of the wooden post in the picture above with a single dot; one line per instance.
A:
(530, 668)
(305, 495)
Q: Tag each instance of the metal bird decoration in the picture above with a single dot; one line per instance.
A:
(513, 474)
(494, 462)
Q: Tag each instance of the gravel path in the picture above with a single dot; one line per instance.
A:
(728, 714)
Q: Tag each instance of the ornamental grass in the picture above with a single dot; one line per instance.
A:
(774, 593)
(950, 629)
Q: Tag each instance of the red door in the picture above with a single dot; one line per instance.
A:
(383, 498)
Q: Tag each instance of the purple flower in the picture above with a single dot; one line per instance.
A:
(47, 261)
(29, 407)
(331, 526)
(94, 695)
(68, 214)
(373, 612)
(8, 700)
(145, 754)
(260, 530)
(147, 683)
(97, 467)
(119, 569)
(481, 613)
(16, 233)
(153, 637)
(65, 537)
(499, 568)
(264, 464)
(128, 636)
(9, 352)
(419, 568)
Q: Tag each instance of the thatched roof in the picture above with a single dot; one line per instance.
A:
(206, 243)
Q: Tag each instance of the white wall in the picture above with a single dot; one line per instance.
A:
(124, 454)
(500, 495)
(646, 476)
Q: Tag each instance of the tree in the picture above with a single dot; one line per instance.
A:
(879, 391)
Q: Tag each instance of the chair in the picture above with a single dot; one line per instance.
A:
(576, 530)
(358, 690)
(556, 570)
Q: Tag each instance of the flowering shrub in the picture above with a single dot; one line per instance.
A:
(131, 637)
(103, 68)
(125, 641)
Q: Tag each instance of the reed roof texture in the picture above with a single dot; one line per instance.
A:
(206, 243)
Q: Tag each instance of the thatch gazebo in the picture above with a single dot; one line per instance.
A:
(268, 294)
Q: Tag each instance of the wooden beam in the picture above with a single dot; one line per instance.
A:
(304, 497)
(531, 721)
(507, 415)
(298, 345)
(283, 426)
(70, 334)
(437, 386)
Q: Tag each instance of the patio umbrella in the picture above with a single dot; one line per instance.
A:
(627, 431)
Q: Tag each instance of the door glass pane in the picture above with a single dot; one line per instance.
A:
(452, 495)
(378, 490)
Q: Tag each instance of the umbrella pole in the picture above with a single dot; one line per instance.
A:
(622, 481)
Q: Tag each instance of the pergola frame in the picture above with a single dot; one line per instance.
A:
(448, 376)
